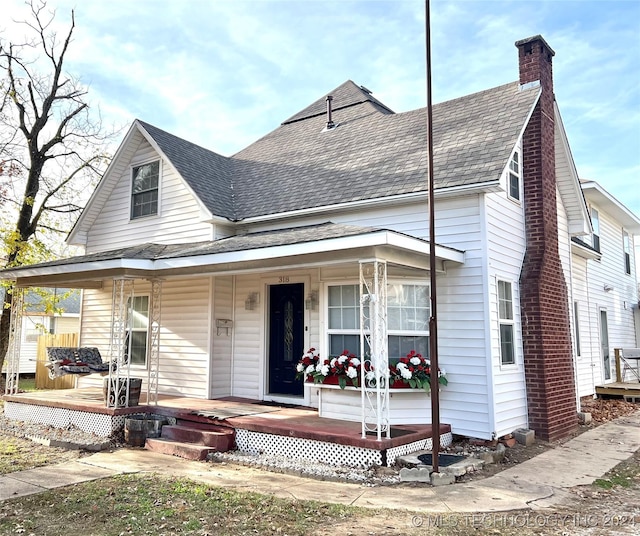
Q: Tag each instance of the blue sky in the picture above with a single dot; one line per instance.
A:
(224, 73)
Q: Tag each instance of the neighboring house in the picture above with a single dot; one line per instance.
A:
(36, 321)
(605, 289)
(240, 263)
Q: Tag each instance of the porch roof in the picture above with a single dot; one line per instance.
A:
(312, 245)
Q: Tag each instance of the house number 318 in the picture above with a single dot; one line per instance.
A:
(283, 279)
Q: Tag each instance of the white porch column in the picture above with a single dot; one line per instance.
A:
(373, 339)
(121, 302)
(154, 341)
(15, 337)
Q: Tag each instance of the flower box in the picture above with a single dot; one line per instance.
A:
(406, 405)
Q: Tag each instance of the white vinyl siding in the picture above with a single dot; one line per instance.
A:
(222, 339)
(184, 334)
(180, 218)
(505, 248)
(611, 289)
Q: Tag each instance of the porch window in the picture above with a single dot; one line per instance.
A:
(344, 319)
(137, 330)
(514, 177)
(595, 224)
(408, 311)
(626, 246)
(505, 316)
(144, 190)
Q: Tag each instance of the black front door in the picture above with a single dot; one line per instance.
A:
(286, 338)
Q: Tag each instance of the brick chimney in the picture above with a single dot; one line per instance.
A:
(546, 331)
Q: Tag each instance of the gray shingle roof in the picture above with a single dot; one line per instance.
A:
(257, 240)
(345, 95)
(372, 153)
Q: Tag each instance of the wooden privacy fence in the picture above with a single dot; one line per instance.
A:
(42, 373)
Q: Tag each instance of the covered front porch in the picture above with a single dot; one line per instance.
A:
(259, 427)
(209, 330)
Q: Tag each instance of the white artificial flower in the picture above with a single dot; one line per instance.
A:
(324, 370)
(333, 361)
(406, 373)
(355, 361)
(318, 367)
(415, 361)
(300, 367)
(352, 372)
(442, 372)
(342, 359)
(310, 369)
(401, 365)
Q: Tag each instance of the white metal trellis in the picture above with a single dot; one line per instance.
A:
(118, 379)
(15, 336)
(154, 341)
(373, 345)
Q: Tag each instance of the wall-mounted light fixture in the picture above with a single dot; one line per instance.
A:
(607, 288)
(312, 301)
(253, 299)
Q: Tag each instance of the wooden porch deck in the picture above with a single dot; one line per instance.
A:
(619, 389)
(239, 413)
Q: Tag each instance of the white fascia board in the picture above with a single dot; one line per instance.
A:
(584, 252)
(375, 239)
(601, 198)
(579, 224)
(77, 268)
(380, 238)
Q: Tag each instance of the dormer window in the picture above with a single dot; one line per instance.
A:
(513, 177)
(144, 190)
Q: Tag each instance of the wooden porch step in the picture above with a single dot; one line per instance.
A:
(221, 438)
(188, 451)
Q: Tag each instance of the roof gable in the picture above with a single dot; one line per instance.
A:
(207, 173)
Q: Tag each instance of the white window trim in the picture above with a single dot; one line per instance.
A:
(324, 348)
(510, 172)
(326, 345)
(129, 329)
(626, 252)
(506, 321)
(594, 233)
(134, 165)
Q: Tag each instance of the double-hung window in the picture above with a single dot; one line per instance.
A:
(144, 190)
(505, 319)
(626, 246)
(595, 223)
(408, 311)
(137, 330)
(514, 177)
(344, 319)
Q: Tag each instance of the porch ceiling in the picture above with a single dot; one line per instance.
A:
(310, 246)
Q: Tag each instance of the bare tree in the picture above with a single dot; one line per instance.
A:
(51, 147)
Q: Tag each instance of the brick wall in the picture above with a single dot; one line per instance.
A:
(546, 330)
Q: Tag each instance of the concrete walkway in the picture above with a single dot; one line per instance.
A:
(541, 482)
